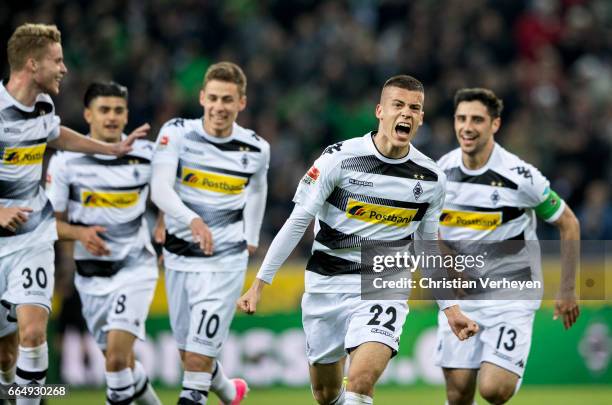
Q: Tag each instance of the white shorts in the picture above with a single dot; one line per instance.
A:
(27, 277)
(336, 323)
(503, 340)
(124, 309)
(202, 306)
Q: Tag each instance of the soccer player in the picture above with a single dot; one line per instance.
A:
(209, 178)
(27, 225)
(494, 195)
(100, 203)
(383, 172)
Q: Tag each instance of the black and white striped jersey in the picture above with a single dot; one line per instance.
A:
(24, 133)
(495, 202)
(212, 179)
(107, 191)
(356, 194)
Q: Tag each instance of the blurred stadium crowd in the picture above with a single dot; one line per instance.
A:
(315, 69)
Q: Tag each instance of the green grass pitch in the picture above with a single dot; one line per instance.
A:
(530, 395)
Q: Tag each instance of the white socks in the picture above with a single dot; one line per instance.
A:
(119, 387)
(32, 365)
(195, 388)
(144, 393)
(221, 385)
(352, 398)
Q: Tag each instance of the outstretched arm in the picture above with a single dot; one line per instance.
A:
(75, 142)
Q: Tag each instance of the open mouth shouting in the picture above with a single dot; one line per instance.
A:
(402, 129)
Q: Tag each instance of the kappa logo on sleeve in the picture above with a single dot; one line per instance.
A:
(311, 176)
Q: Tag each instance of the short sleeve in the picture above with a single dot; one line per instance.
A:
(536, 194)
(318, 183)
(54, 128)
(431, 220)
(168, 143)
(57, 183)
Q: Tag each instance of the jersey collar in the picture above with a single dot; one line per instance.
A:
(215, 139)
(13, 101)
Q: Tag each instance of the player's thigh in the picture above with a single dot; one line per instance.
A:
(452, 353)
(212, 300)
(496, 384)
(325, 318)
(376, 321)
(30, 277)
(178, 305)
(368, 361)
(507, 343)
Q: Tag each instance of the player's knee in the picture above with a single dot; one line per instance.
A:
(32, 334)
(7, 358)
(325, 395)
(116, 361)
(459, 396)
(496, 393)
(362, 383)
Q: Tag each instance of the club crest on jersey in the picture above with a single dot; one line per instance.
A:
(214, 182)
(481, 221)
(24, 155)
(379, 214)
(311, 176)
(106, 199)
(244, 160)
(495, 197)
(417, 190)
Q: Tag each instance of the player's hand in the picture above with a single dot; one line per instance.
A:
(251, 249)
(568, 309)
(88, 236)
(125, 146)
(159, 233)
(248, 302)
(202, 235)
(12, 218)
(462, 326)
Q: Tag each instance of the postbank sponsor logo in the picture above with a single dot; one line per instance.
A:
(379, 214)
(215, 182)
(109, 199)
(482, 221)
(24, 155)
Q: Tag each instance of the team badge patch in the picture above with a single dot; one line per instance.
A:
(417, 190)
(495, 197)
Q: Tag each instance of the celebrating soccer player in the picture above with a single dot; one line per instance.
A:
(27, 225)
(380, 171)
(493, 195)
(100, 202)
(209, 178)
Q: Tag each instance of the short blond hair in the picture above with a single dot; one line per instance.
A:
(227, 72)
(30, 40)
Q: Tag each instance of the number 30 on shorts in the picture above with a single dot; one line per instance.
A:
(38, 276)
(377, 310)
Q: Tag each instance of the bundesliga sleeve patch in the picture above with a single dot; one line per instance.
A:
(549, 207)
(311, 176)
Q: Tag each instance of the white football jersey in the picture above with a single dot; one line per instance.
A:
(356, 194)
(24, 133)
(212, 179)
(110, 192)
(496, 203)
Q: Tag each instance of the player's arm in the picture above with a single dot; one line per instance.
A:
(73, 141)
(159, 232)
(552, 209)
(281, 247)
(427, 236)
(163, 194)
(12, 218)
(565, 304)
(255, 205)
(87, 235)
